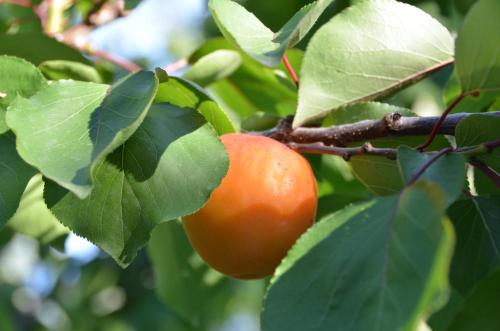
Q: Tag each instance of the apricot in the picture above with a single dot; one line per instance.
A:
(267, 199)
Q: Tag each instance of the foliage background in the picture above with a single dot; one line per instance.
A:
(65, 283)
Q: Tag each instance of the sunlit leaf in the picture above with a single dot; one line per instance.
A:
(67, 128)
(299, 25)
(369, 50)
(61, 69)
(246, 31)
(17, 77)
(167, 169)
(252, 87)
(182, 93)
(213, 67)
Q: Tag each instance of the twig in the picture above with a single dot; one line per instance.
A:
(177, 65)
(96, 7)
(42, 10)
(290, 70)
(390, 153)
(486, 147)
(113, 58)
(433, 159)
(488, 171)
(55, 16)
(345, 152)
(392, 124)
(440, 121)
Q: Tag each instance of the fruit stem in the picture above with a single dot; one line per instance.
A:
(441, 119)
(290, 70)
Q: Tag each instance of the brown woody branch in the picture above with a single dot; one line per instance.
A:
(96, 7)
(393, 124)
(345, 152)
(76, 36)
(391, 153)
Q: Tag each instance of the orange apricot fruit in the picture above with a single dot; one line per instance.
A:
(267, 199)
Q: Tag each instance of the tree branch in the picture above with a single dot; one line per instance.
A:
(74, 37)
(345, 152)
(96, 7)
(392, 124)
(483, 148)
(177, 65)
(55, 16)
(113, 58)
(391, 153)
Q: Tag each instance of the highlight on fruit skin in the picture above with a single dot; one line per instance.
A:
(267, 199)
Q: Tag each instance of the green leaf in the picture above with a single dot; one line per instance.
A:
(448, 172)
(477, 252)
(18, 19)
(364, 111)
(252, 87)
(379, 174)
(37, 48)
(213, 67)
(260, 121)
(369, 50)
(242, 28)
(61, 69)
(330, 203)
(476, 129)
(181, 275)
(371, 266)
(17, 77)
(338, 174)
(478, 49)
(33, 218)
(470, 103)
(299, 25)
(66, 129)
(182, 93)
(246, 31)
(14, 176)
(167, 169)
(480, 310)
(442, 319)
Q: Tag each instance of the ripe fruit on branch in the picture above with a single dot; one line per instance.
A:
(266, 201)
